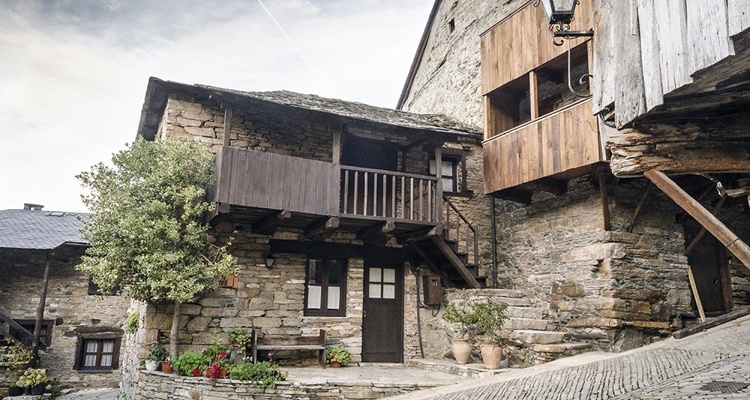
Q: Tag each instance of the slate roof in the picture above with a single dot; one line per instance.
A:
(39, 229)
(159, 89)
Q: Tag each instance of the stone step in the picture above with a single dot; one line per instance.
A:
(508, 293)
(515, 302)
(570, 348)
(525, 324)
(538, 337)
(525, 312)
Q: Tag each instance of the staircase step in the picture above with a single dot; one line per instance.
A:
(538, 337)
(570, 348)
(525, 324)
(508, 293)
(525, 312)
(515, 302)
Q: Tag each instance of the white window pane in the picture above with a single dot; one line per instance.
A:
(334, 296)
(92, 346)
(376, 274)
(314, 294)
(89, 360)
(106, 360)
(108, 346)
(447, 168)
(389, 275)
(389, 291)
(447, 184)
(375, 291)
(432, 167)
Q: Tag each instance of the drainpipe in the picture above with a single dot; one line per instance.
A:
(414, 266)
(493, 242)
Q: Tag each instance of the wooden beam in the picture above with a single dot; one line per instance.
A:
(420, 234)
(336, 151)
(696, 295)
(699, 236)
(439, 184)
(227, 126)
(377, 231)
(434, 267)
(40, 310)
(639, 207)
(341, 250)
(533, 95)
(323, 226)
(722, 319)
(269, 224)
(720, 231)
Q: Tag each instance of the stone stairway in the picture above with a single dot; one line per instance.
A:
(529, 329)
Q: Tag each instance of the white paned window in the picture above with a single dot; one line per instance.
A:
(325, 288)
(98, 354)
(334, 297)
(314, 295)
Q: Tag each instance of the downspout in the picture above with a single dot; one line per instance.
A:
(493, 243)
(414, 266)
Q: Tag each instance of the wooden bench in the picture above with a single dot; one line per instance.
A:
(288, 343)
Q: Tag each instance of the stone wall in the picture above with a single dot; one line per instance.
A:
(154, 385)
(68, 305)
(448, 80)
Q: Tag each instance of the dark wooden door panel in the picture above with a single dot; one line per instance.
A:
(708, 261)
(383, 321)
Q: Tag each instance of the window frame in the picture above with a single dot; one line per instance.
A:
(86, 334)
(324, 311)
(458, 161)
(47, 325)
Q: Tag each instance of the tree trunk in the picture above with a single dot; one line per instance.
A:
(174, 334)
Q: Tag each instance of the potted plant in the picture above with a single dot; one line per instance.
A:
(156, 354)
(239, 337)
(338, 356)
(18, 358)
(217, 358)
(490, 317)
(460, 312)
(190, 363)
(33, 379)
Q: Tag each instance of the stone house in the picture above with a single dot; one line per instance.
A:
(326, 204)
(583, 230)
(81, 331)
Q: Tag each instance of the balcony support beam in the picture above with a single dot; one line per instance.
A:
(377, 234)
(322, 227)
(602, 171)
(269, 224)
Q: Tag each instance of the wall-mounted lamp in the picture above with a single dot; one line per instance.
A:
(561, 12)
(269, 261)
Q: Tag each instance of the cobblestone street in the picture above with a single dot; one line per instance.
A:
(709, 365)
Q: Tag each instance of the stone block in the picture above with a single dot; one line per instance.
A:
(573, 289)
(198, 324)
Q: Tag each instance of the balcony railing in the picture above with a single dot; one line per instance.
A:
(272, 181)
(388, 194)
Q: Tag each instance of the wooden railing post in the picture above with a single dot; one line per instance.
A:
(438, 184)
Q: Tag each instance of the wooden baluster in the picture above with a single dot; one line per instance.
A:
(385, 180)
(411, 198)
(356, 190)
(403, 197)
(375, 194)
(421, 206)
(346, 190)
(393, 197)
(367, 189)
(429, 202)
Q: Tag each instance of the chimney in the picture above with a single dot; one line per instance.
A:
(32, 207)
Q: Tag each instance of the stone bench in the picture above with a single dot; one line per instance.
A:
(288, 343)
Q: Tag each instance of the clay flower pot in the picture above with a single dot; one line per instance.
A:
(335, 364)
(166, 367)
(461, 350)
(492, 355)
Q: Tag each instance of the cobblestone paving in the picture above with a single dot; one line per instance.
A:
(674, 369)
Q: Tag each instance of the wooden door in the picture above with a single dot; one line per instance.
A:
(383, 314)
(708, 260)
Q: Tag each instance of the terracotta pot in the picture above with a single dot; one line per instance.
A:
(222, 373)
(461, 350)
(166, 367)
(492, 355)
(335, 364)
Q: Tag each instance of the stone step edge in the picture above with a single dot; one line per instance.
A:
(560, 348)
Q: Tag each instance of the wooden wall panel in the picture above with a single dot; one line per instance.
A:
(603, 84)
(562, 141)
(522, 42)
(708, 41)
(739, 16)
(274, 181)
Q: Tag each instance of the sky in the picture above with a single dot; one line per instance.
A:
(73, 73)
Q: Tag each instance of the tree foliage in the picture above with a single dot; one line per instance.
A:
(146, 231)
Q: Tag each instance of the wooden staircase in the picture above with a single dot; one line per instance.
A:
(451, 250)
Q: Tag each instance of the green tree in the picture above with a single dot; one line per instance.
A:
(146, 229)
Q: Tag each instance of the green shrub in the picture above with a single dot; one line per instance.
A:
(262, 374)
(157, 352)
(240, 336)
(188, 362)
(132, 322)
(338, 354)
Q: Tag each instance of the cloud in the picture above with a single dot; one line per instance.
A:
(74, 73)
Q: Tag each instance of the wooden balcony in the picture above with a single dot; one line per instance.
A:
(560, 145)
(266, 191)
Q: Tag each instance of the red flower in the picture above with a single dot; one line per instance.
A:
(223, 354)
(196, 372)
